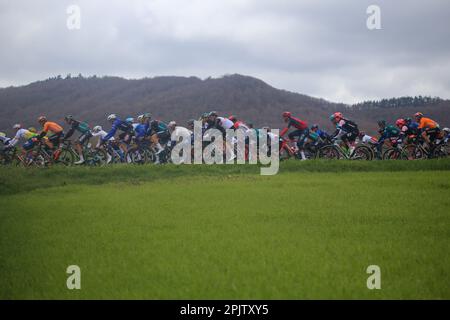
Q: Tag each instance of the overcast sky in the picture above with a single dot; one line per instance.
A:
(317, 47)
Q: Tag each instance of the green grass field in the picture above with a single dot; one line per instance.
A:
(225, 232)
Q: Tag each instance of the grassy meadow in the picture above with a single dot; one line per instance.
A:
(225, 232)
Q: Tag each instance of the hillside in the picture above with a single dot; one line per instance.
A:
(183, 98)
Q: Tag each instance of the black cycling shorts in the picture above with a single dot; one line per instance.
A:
(56, 138)
(350, 136)
(84, 137)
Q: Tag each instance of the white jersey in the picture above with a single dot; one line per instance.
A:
(368, 139)
(22, 134)
(226, 123)
(101, 134)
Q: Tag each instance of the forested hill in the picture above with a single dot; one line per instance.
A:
(182, 98)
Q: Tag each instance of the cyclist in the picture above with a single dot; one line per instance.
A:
(237, 124)
(142, 128)
(98, 131)
(130, 121)
(388, 132)
(159, 135)
(29, 137)
(408, 130)
(446, 134)
(85, 135)
(365, 138)
(54, 132)
(429, 129)
(215, 122)
(346, 130)
(4, 139)
(302, 131)
(177, 131)
(322, 134)
(118, 124)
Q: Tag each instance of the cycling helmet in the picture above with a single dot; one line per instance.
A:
(400, 122)
(447, 130)
(338, 116)
(17, 126)
(191, 122)
(172, 124)
(287, 114)
(213, 114)
(32, 129)
(68, 118)
(381, 123)
(361, 134)
(314, 126)
(42, 119)
(205, 115)
(112, 117)
(2, 134)
(418, 115)
(140, 118)
(97, 129)
(129, 120)
(232, 118)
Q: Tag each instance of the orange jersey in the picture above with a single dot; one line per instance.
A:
(427, 123)
(52, 127)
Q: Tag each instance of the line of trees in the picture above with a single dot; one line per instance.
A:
(417, 101)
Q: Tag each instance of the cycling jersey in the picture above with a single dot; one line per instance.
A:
(118, 125)
(300, 125)
(22, 134)
(369, 139)
(240, 125)
(225, 123)
(101, 134)
(157, 126)
(142, 130)
(53, 127)
(389, 132)
(347, 126)
(81, 127)
(427, 123)
(323, 135)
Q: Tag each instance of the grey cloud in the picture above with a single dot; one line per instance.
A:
(322, 48)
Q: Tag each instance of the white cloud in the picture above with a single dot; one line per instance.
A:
(321, 48)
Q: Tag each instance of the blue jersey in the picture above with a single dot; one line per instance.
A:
(322, 134)
(142, 130)
(118, 125)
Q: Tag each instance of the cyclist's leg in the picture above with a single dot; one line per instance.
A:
(301, 142)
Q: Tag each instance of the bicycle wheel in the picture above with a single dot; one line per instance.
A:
(66, 157)
(392, 154)
(150, 155)
(414, 152)
(362, 153)
(36, 159)
(96, 157)
(329, 153)
(442, 151)
(135, 155)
